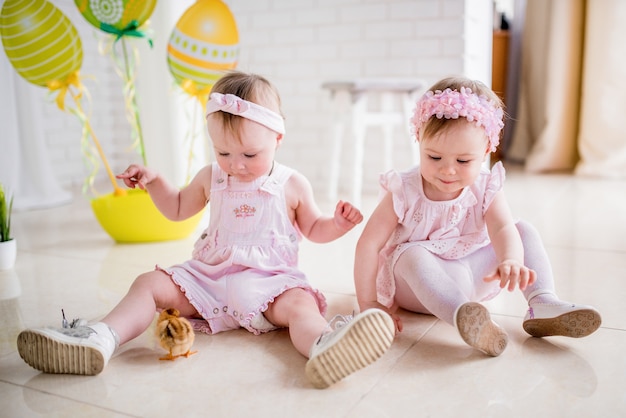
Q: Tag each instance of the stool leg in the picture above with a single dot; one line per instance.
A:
(337, 132)
(359, 108)
(337, 136)
(386, 107)
(408, 100)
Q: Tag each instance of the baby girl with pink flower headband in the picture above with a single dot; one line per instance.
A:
(462, 102)
(442, 239)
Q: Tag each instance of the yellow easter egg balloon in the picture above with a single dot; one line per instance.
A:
(114, 16)
(39, 40)
(204, 44)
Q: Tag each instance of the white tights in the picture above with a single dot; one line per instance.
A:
(426, 283)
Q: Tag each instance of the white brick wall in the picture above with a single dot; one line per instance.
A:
(299, 44)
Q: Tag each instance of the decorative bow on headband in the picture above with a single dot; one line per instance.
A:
(235, 105)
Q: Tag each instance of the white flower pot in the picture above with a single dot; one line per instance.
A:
(8, 254)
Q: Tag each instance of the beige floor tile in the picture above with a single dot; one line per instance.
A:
(66, 261)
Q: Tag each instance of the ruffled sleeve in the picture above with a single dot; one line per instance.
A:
(391, 181)
(495, 183)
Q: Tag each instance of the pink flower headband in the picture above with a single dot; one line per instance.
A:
(452, 104)
(235, 105)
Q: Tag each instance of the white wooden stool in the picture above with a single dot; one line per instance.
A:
(358, 91)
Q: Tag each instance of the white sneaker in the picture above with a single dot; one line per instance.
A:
(74, 349)
(478, 330)
(352, 344)
(566, 319)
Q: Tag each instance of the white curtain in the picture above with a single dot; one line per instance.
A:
(602, 137)
(25, 166)
(572, 80)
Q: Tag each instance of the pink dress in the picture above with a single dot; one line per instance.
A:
(451, 229)
(246, 257)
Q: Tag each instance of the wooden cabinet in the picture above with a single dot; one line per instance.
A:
(499, 62)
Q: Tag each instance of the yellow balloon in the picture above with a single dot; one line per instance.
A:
(39, 40)
(204, 43)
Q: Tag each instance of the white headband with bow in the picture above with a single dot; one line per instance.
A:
(235, 105)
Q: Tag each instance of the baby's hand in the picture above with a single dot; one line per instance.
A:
(137, 176)
(347, 216)
(513, 273)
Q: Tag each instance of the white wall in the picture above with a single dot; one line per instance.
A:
(298, 45)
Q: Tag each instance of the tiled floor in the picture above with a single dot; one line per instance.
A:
(65, 260)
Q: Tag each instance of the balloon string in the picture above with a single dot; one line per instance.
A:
(125, 67)
(192, 134)
(200, 95)
(88, 154)
(64, 87)
(117, 191)
(132, 108)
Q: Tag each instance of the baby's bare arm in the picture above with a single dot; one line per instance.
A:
(508, 246)
(174, 203)
(313, 224)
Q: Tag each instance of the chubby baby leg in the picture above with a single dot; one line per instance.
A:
(85, 348)
(298, 310)
(336, 348)
(149, 292)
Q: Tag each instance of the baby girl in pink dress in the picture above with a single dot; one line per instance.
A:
(442, 239)
(243, 271)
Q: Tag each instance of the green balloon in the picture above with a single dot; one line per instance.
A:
(40, 41)
(115, 16)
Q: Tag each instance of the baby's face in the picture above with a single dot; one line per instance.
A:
(248, 155)
(451, 159)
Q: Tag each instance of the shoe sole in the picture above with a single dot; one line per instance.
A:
(479, 331)
(575, 324)
(50, 355)
(364, 342)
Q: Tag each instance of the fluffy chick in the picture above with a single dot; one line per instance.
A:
(175, 334)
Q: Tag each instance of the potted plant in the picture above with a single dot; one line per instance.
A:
(8, 248)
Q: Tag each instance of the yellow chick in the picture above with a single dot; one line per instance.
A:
(175, 334)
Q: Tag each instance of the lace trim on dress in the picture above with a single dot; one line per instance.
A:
(319, 298)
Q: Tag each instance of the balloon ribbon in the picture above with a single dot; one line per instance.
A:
(201, 95)
(64, 87)
(132, 29)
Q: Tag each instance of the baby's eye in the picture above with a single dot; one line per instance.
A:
(432, 157)
(463, 161)
(249, 155)
(223, 154)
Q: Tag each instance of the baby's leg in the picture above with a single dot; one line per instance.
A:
(149, 292)
(82, 348)
(428, 284)
(298, 310)
(547, 314)
(445, 288)
(337, 348)
(536, 258)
